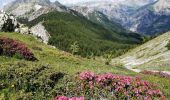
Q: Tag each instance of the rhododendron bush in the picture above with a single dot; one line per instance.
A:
(66, 98)
(161, 74)
(10, 47)
(110, 87)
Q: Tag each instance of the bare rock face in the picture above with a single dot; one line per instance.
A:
(162, 7)
(8, 23)
(31, 9)
(24, 29)
(117, 10)
(40, 32)
(152, 19)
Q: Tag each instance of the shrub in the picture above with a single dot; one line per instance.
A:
(110, 86)
(108, 58)
(37, 48)
(74, 48)
(161, 74)
(66, 98)
(168, 45)
(9, 47)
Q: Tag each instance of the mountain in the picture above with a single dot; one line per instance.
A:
(153, 55)
(151, 19)
(60, 26)
(66, 28)
(31, 9)
(148, 17)
(117, 11)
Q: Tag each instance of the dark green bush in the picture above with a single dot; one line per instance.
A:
(168, 45)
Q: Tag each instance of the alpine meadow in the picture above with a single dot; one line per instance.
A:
(84, 50)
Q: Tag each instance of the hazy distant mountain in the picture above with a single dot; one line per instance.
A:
(142, 16)
(151, 19)
(118, 11)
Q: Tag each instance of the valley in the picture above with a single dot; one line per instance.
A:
(85, 50)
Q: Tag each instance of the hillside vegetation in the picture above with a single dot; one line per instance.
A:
(92, 39)
(153, 55)
(44, 78)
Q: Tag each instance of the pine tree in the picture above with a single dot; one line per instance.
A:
(74, 48)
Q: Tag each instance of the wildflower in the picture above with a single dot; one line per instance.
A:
(91, 84)
(11, 47)
(66, 98)
(131, 87)
(126, 93)
(12, 86)
(87, 75)
(147, 98)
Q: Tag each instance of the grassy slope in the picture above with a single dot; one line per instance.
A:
(152, 55)
(66, 28)
(60, 59)
(57, 61)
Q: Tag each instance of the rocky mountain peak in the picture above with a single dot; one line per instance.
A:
(162, 6)
(31, 9)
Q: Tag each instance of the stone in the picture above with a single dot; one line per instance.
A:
(8, 23)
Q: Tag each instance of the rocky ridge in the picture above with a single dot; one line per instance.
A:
(31, 9)
(148, 17)
(28, 10)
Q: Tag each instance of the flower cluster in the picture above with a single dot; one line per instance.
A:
(119, 86)
(161, 74)
(10, 47)
(66, 98)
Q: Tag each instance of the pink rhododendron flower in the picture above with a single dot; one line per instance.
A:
(12, 47)
(119, 85)
(66, 98)
(87, 75)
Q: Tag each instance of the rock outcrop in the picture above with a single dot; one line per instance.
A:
(40, 32)
(8, 23)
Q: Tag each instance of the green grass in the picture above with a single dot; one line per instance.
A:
(54, 57)
(66, 28)
(50, 62)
